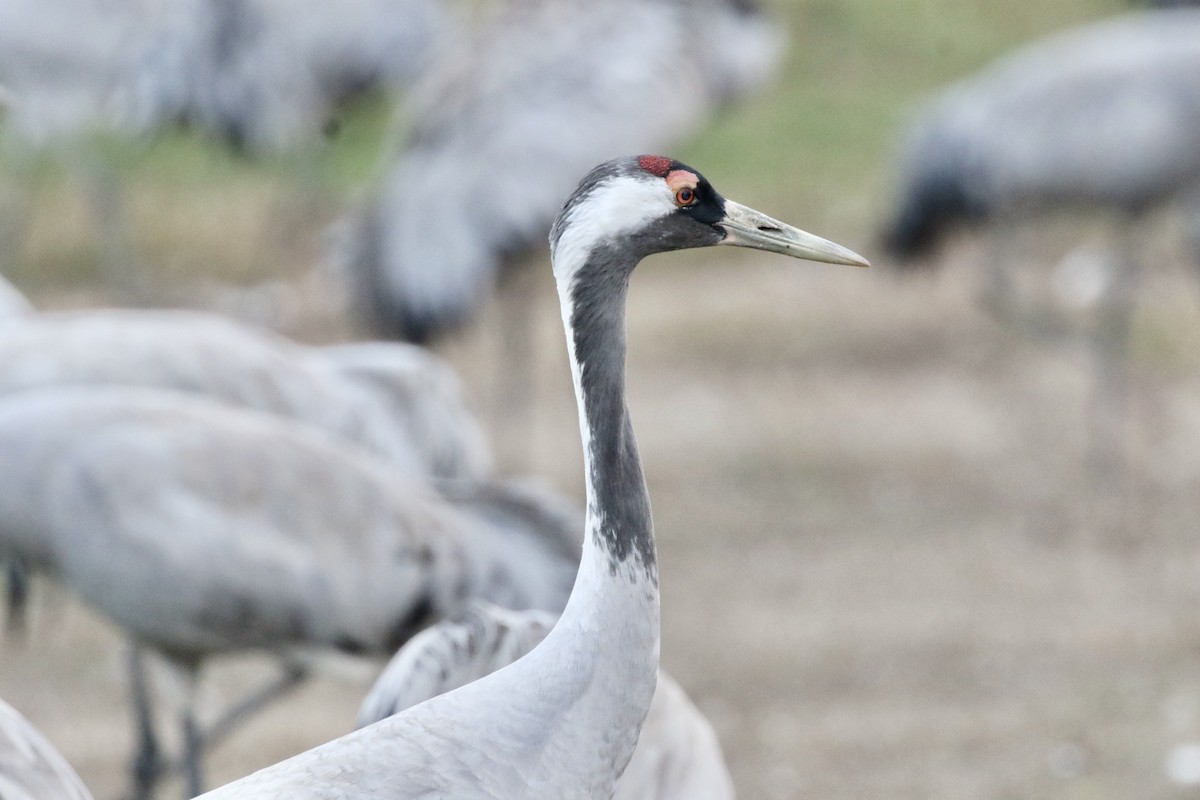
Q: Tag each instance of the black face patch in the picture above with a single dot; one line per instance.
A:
(708, 208)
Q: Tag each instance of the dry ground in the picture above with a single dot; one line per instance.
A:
(886, 570)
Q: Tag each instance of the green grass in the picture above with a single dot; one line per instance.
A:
(813, 147)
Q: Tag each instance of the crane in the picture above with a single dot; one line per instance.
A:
(678, 756)
(260, 76)
(532, 96)
(562, 722)
(201, 529)
(30, 767)
(1103, 117)
(421, 392)
(401, 404)
(397, 401)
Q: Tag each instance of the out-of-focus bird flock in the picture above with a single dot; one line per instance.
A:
(317, 465)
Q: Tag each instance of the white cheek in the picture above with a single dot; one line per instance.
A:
(614, 210)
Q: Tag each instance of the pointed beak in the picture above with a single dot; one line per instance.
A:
(745, 227)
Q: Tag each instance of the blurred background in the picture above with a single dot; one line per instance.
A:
(914, 541)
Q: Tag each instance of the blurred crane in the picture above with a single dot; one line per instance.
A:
(263, 77)
(1106, 116)
(420, 392)
(678, 756)
(260, 75)
(401, 404)
(396, 401)
(203, 529)
(30, 767)
(508, 117)
(1103, 118)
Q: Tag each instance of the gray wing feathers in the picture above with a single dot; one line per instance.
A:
(406, 409)
(424, 395)
(452, 654)
(1104, 116)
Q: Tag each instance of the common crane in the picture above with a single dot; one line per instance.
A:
(202, 529)
(532, 96)
(562, 722)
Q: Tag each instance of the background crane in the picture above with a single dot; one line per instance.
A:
(260, 76)
(1101, 118)
(94, 83)
(508, 116)
(403, 405)
(201, 529)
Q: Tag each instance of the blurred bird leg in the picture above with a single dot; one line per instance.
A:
(1110, 345)
(149, 767)
(293, 674)
(1007, 253)
(16, 623)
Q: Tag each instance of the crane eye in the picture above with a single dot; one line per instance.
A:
(685, 196)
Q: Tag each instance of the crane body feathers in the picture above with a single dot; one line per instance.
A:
(1103, 116)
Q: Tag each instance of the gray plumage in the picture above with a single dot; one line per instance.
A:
(186, 496)
(508, 117)
(402, 405)
(262, 75)
(30, 767)
(420, 392)
(678, 756)
(200, 528)
(452, 653)
(1103, 116)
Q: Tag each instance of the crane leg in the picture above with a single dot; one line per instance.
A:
(193, 756)
(17, 598)
(292, 676)
(996, 293)
(147, 765)
(150, 768)
(1110, 346)
(1008, 250)
(1189, 211)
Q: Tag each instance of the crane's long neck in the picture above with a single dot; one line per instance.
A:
(619, 529)
(609, 632)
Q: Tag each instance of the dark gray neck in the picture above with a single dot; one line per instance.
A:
(618, 498)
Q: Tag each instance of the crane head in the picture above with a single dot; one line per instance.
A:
(651, 204)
